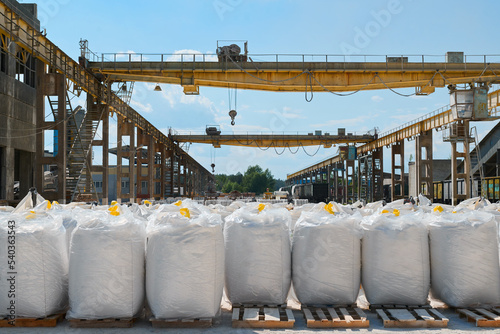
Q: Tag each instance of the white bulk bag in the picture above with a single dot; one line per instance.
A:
(326, 258)
(395, 258)
(464, 259)
(41, 262)
(258, 256)
(185, 266)
(106, 273)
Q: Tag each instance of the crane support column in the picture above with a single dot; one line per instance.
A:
(364, 176)
(378, 175)
(423, 164)
(464, 156)
(159, 171)
(97, 112)
(336, 187)
(397, 162)
(329, 180)
(105, 154)
(350, 186)
(125, 129)
(51, 84)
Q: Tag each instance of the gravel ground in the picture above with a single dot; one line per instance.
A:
(455, 326)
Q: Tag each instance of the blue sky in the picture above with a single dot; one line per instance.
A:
(275, 26)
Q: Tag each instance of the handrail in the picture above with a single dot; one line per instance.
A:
(296, 57)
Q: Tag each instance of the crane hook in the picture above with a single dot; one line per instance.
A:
(232, 114)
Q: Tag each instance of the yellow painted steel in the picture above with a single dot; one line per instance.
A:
(296, 76)
(23, 34)
(322, 164)
(428, 123)
(273, 140)
(433, 121)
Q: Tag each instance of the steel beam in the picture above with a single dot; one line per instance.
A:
(273, 140)
(33, 41)
(423, 164)
(397, 164)
(299, 76)
(464, 156)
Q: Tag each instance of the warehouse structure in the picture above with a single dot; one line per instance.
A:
(34, 74)
(39, 80)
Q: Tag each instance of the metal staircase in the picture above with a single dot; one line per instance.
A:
(124, 92)
(80, 129)
(475, 163)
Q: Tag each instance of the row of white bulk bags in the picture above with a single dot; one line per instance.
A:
(41, 264)
(106, 274)
(257, 256)
(326, 258)
(464, 258)
(185, 266)
(395, 257)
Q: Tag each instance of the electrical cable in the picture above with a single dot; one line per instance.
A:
(311, 155)
(310, 77)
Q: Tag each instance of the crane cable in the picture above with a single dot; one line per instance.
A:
(310, 77)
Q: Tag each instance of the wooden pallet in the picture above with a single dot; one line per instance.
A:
(483, 317)
(335, 317)
(181, 323)
(102, 323)
(377, 306)
(50, 321)
(262, 317)
(411, 317)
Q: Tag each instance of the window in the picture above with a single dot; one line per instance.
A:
(3, 53)
(25, 68)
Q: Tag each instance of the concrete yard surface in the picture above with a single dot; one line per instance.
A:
(456, 325)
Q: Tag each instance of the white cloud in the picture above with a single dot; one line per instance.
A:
(404, 118)
(188, 54)
(342, 122)
(126, 55)
(377, 98)
(141, 107)
(287, 113)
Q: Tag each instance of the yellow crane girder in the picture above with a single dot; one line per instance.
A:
(299, 76)
(273, 140)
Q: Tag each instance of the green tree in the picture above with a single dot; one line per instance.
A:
(256, 180)
(279, 183)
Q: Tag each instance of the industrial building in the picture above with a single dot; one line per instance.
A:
(38, 80)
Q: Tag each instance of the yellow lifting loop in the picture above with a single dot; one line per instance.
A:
(329, 208)
(438, 208)
(178, 203)
(261, 207)
(185, 212)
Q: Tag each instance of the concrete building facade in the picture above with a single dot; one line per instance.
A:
(17, 112)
